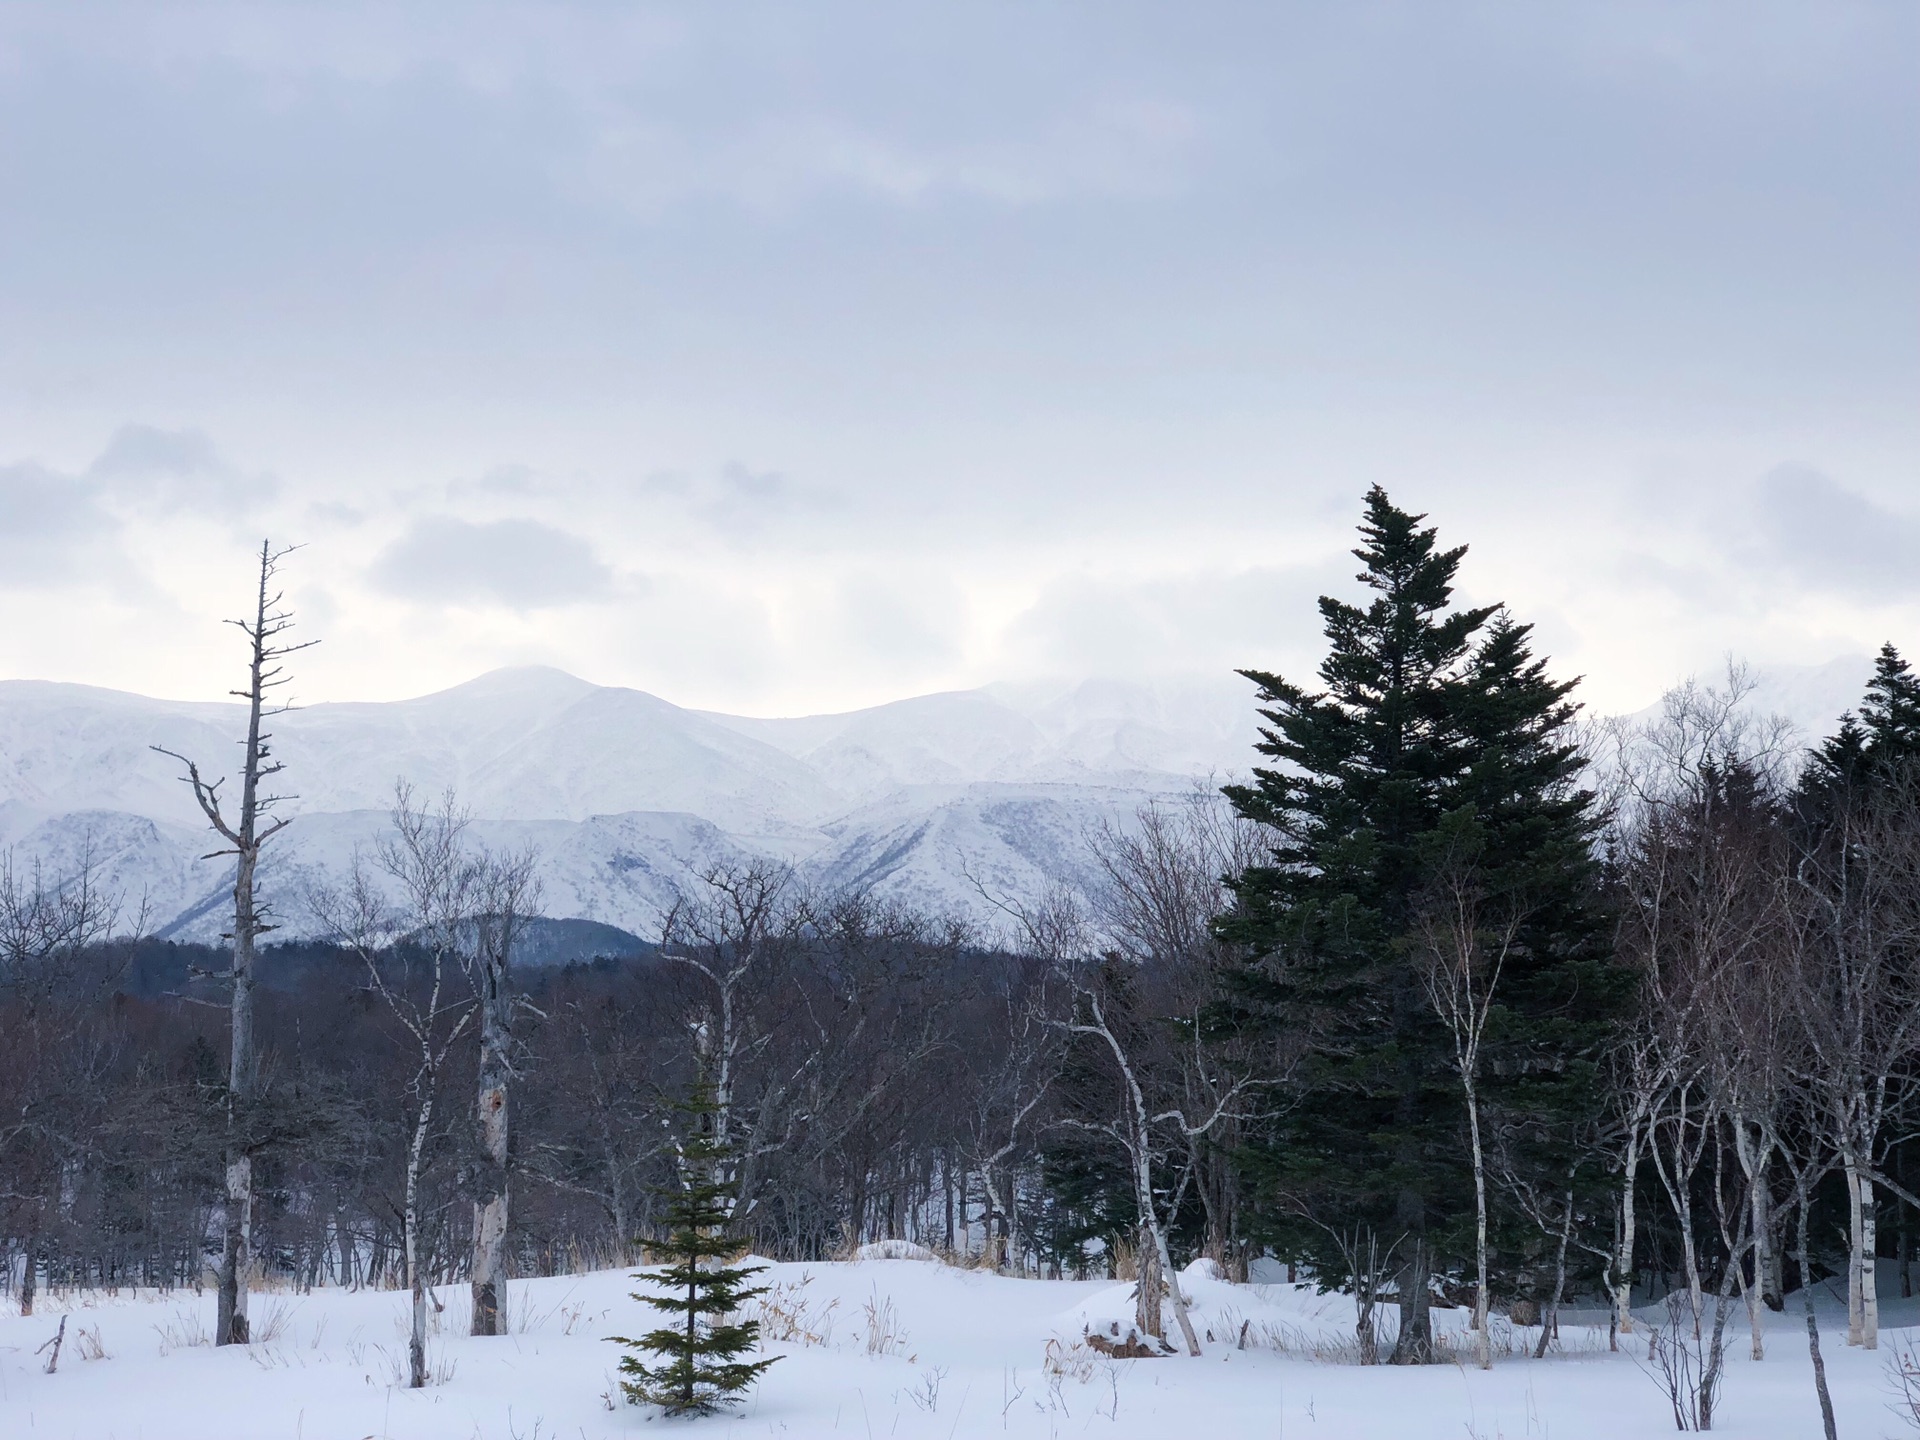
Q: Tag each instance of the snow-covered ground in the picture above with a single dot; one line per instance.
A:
(893, 1348)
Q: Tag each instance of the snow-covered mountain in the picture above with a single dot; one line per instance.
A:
(626, 796)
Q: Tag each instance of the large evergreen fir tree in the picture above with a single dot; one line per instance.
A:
(700, 1369)
(1438, 733)
(1879, 747)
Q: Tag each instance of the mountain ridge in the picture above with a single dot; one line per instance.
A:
(627, 796)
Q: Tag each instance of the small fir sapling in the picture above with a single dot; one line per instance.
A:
(700, 1369)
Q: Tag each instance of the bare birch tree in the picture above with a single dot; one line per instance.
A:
(1860, 998)
(410, 952)
(724, 932)
(1465, 949)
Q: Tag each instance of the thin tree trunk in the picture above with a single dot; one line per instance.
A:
(416, 1275)
(1483, 1344)
(1855, 1319)
(1813, 1324)
(1364, 1333)
(1753, 1161)
(1690, 1258)
(1623, 1265)
(994, 1252)
(1717, 1349)
(1550, 1321)
(1178, 1296)
(1904, 1212)
(1869, 1267)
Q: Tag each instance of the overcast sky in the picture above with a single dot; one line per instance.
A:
(783, 358)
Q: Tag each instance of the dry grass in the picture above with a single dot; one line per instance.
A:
(185, 1331)
(885, 1334)
(787, 1313)
(1068, 1362)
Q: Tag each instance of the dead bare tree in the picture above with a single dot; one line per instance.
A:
(1007, 1090)
(723, 932)
(245, 833)
(1056, 930)
(1164, 882)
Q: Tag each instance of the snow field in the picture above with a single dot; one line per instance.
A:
(880, 1347)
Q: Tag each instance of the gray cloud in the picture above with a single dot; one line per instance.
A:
(60, 526)
(48, 521)
(521, 564)
(739, 501)
(1263, 616)
(1142, 283)
(1831, 537)
(172, 471)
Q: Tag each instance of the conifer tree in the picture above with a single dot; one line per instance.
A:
(1878, 747)
(1437, 736)
(700, 1370)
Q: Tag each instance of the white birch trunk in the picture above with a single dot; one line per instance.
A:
(1483, 1344)
(1753, 1161)
(416, 1280)
(994, 1253)
(1623, 1263)
(1855, 1322)
(1869, 1270)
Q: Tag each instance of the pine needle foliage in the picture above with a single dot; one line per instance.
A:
(700, 1369)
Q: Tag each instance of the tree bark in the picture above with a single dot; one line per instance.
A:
(1855, 1316)
(1869, 1267)
(1550, 1318)
(1813, 1324)
(1147, 1316)
(1414, 1344)
(1623, 1265)
(410, 1222)
(1483, 1343)
(1753, 1161)
(490, 1162)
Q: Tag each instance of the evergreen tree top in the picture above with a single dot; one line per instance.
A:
(1877, 746)
(1890, 712)
(1383, 712)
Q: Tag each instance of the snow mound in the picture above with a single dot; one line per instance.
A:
(895, 1250)
(1222, 1313)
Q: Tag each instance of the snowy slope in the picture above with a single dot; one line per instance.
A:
(627, 796)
